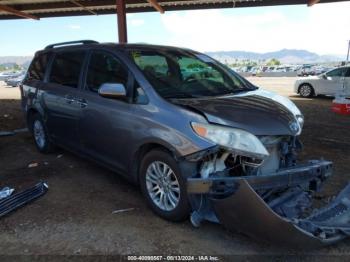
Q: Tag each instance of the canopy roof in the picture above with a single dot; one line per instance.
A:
(36, 9)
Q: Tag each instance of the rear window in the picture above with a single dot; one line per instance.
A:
(37, 68)
(66, 68)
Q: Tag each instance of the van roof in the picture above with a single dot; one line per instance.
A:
(91, 43)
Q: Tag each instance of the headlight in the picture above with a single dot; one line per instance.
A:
(240, 141)
(300, 119)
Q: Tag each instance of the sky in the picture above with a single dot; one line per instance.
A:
(323, 28)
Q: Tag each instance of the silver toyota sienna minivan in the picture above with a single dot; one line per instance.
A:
(200, 140)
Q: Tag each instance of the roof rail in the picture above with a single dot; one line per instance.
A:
(83, 42)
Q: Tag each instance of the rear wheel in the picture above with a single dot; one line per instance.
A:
(40, 134)
(306, 90)
(163, 186)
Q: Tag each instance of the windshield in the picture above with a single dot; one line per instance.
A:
(183, 74)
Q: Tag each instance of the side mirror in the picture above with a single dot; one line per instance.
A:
(324, 76)
(112, 90)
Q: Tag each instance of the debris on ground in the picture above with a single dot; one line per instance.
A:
(15, 201)
(5, 192)
(122, 210)
(20, 130)
(6, 133)
(60, 155)
(34, 164)
(11, 133)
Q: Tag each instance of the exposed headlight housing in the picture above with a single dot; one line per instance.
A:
(238, 140)
(300, 119)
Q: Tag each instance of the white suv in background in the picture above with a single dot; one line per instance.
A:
(329, 83)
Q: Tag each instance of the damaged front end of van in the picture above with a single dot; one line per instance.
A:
(255, 184)
(274, 207)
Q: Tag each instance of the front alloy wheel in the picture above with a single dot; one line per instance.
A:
(163, 185)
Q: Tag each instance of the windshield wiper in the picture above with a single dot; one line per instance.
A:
(233, 92)
(239, 90)
(180, 95)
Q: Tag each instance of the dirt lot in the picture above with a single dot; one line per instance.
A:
(75, 216)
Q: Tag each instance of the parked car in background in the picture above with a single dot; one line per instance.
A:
(280, 69)
(14, 81)
(235, 69)
(264, 68)
(305, 70)
(9, 74)
(329, 83)
(270, 69)
(255, 71)
(205, 144)
(320, 70)
(4, 75)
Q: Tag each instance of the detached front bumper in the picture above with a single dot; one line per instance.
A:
(270, 207)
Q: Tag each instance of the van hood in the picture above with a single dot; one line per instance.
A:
(259, 112)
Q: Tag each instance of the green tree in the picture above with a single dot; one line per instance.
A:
(273, 62)
(195, 65)
(16, 67)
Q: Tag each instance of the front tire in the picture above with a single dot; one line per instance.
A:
(163, 186)
(306, 90)
(40, 134)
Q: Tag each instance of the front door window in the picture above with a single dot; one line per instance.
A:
(104, 68)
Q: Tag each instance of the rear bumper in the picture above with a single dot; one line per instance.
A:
(240, 204)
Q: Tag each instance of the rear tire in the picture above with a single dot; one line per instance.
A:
(40, 134)
(306, 90)
(163, 185)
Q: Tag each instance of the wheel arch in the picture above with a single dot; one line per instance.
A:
(30, 113)
(145, 148)
(32, 109)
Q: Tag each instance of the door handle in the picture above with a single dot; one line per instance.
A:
(82, 102)
(69, 99)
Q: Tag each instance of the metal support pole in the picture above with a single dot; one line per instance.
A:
(347, 57)
(121, 15)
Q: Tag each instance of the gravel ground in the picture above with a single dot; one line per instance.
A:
(75, 216)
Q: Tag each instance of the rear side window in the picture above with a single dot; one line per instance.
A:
(37, 68)
(105, 68)
(66, 68)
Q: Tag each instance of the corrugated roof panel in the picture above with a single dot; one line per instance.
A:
(53, 8)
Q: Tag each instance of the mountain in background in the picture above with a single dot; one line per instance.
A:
(19, 60)
(286, 56)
